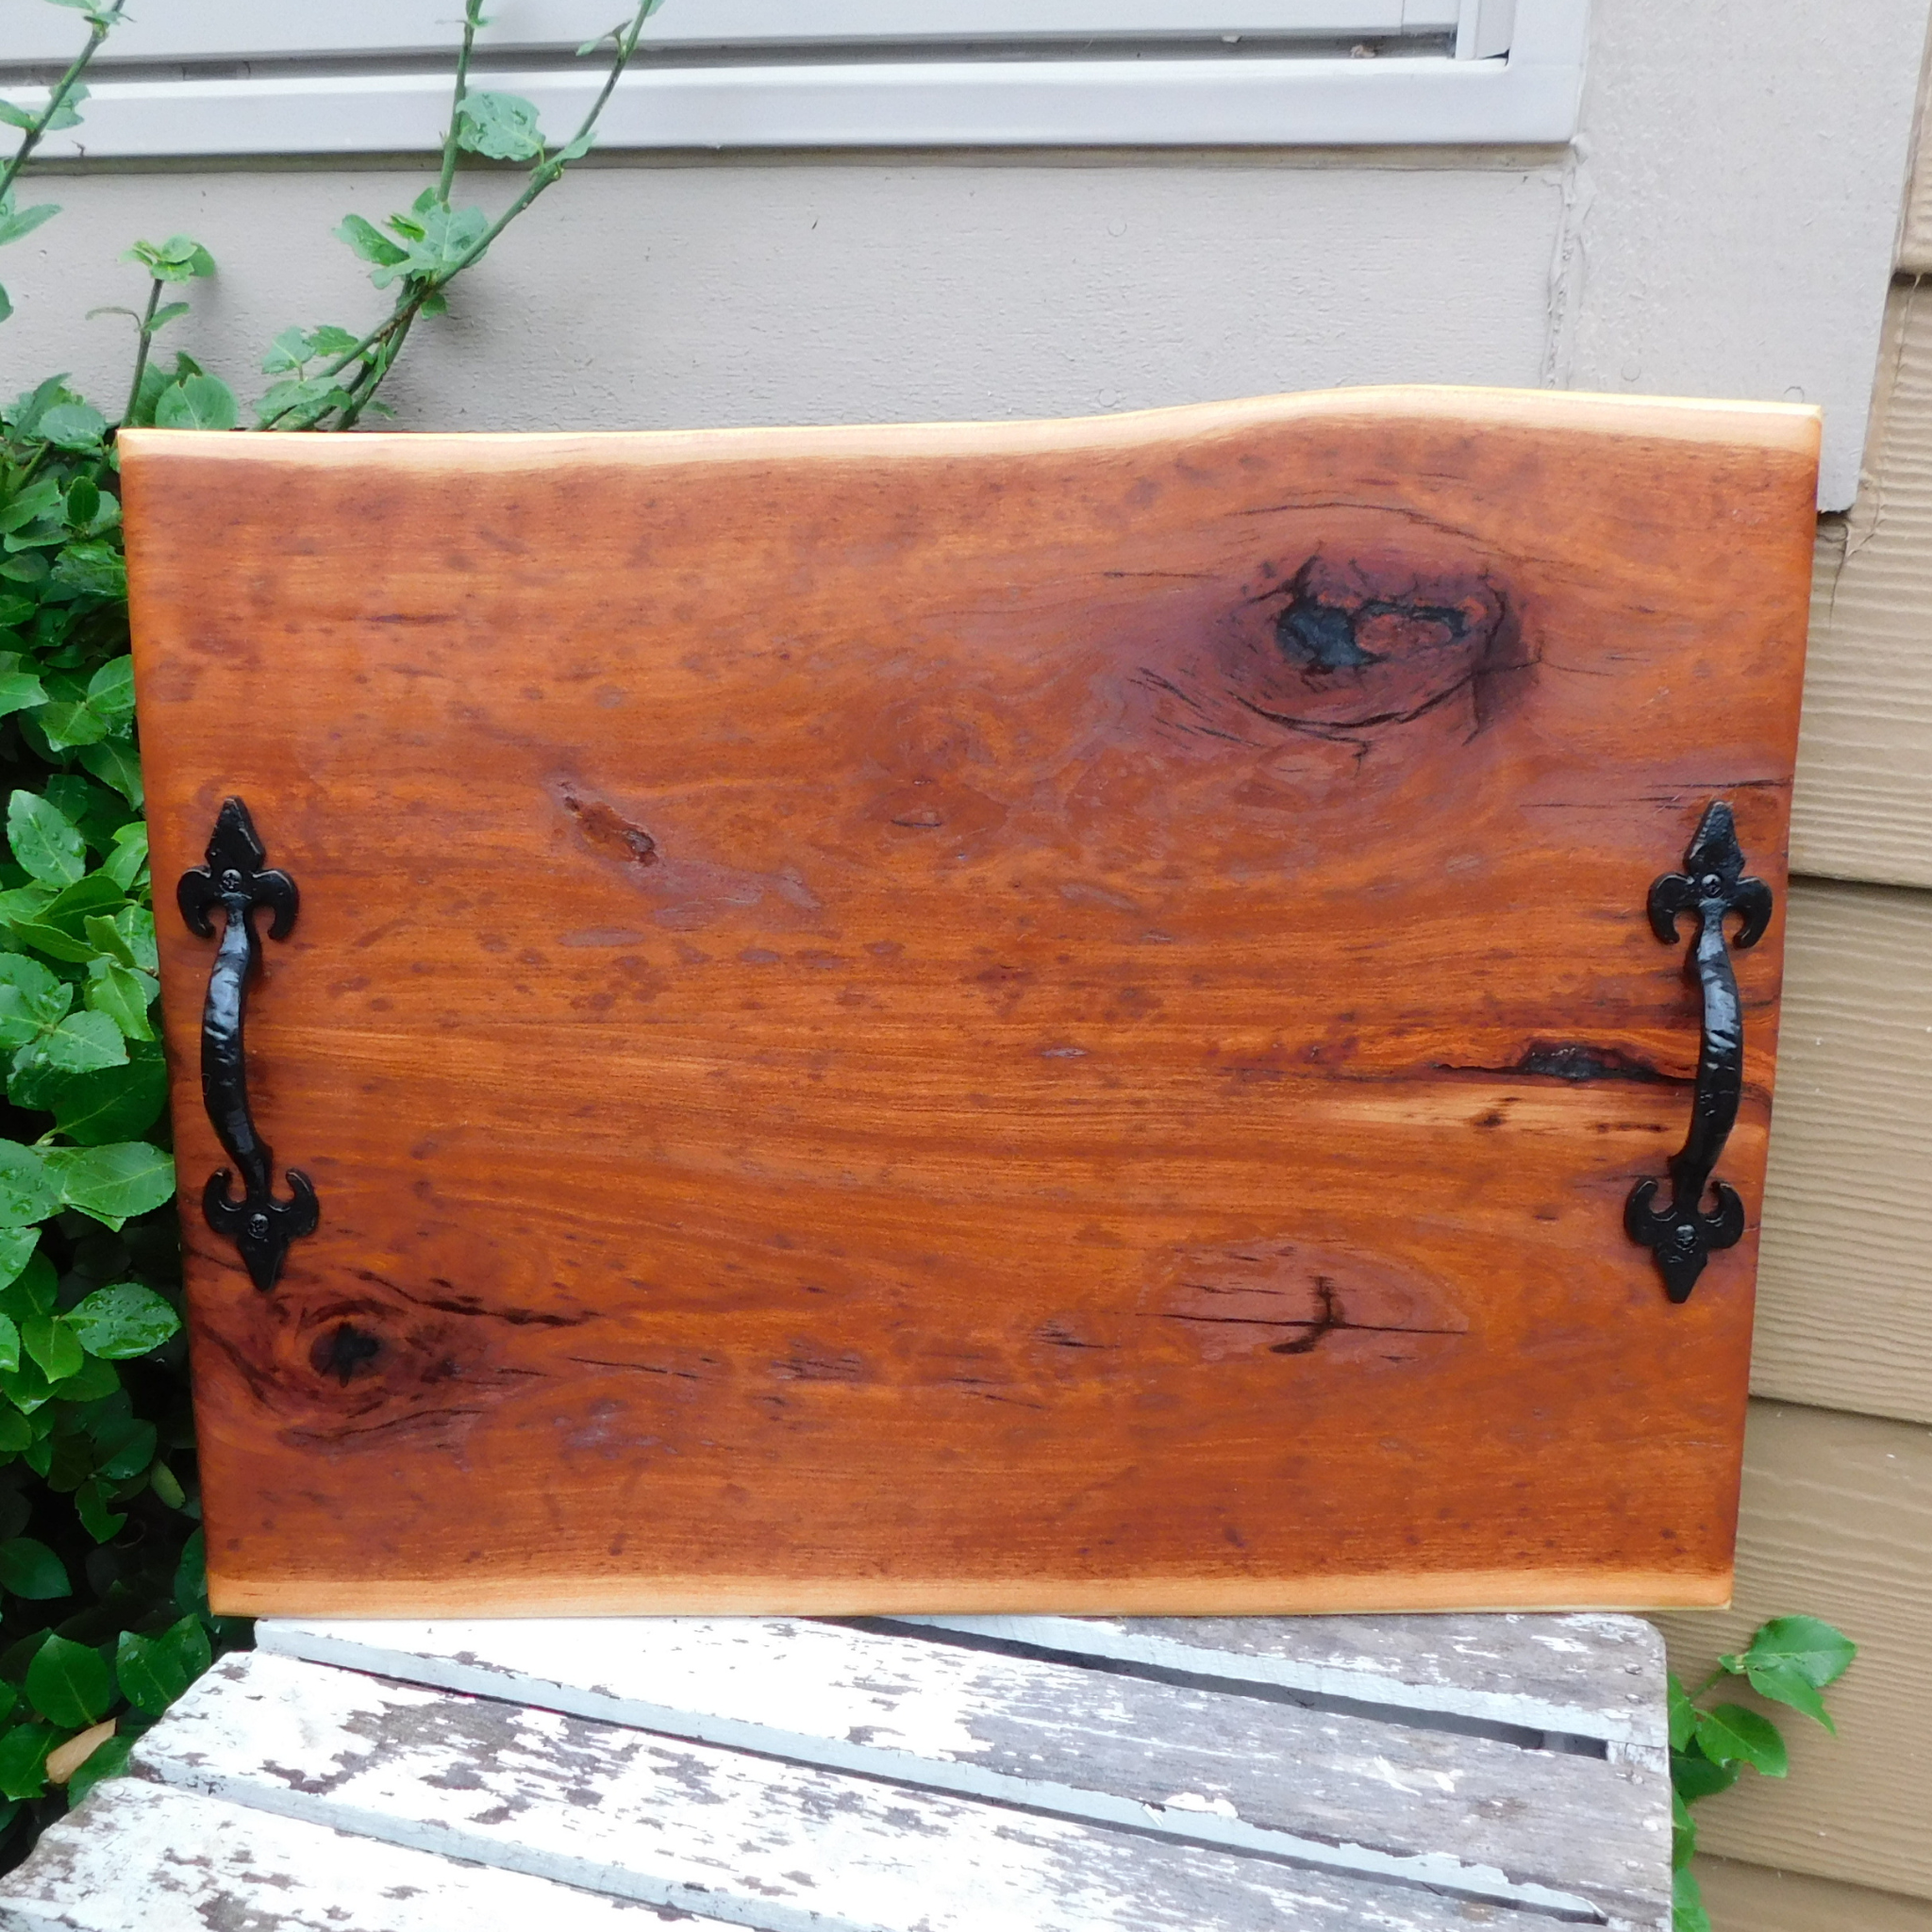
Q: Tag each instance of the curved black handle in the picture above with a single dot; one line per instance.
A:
(1683, 1236)
(235, 879)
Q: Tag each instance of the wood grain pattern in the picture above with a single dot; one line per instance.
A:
(980, 1018)
(1837, 1521)
(1843, 1318)
(1258, 1775)
(141, 1855)
(778, 1847)
(1864, 792)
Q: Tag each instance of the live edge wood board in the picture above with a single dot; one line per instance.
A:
(1018, 1017)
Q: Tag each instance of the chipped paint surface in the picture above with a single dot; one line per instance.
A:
(617, 1772)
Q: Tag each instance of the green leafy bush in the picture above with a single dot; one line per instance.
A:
(1790, 1660)
(104, 1615)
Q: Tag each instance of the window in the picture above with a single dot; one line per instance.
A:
(359, 77)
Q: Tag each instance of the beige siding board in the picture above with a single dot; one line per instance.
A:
(1863, 804)
(1836, 1523)
(1748, 1898)
(1844, 1309)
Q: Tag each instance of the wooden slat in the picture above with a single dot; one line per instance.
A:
(1836, 1523)
(142, 1856)
(1843, 1318)
(1584, 1677)
(764, 1843)
(1750, 1898)
(1245, 1772)
(1864, 784)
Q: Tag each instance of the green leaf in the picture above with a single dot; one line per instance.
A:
(503, 126)
(369, 243)
(331, 341)
(53, 1345)
(123, 1320)
(73, 426)
(23, 1757)
(167, 313)
(27, 1192)
(70, 909)
(448, 237)
(19, 690)
(95, 569)
(31, 1570)
(17, 1245)
(130, 1452)
(91, 1382)
(1683, 1831)
(179, 259)
(289, 350)
(1783, 1683)
(79, 1044)
(35, 1289)
(31, 999)
(1694, 1776)
(1683, 1714)
(166, 1485)
(1819, 1652)
(154, 1671)
(44, 840)
(116, 1104)
(83, 502)
(17, 117)
(130, 854)
(15, 222)
(300, 404)
(190, 1574)
(1732, 1734)
(123, 994)
(111, 690)
(16, 1433)
(116, 762)
(68, 1683)
(197, 402)
(9, 1343)
(91, 1506)
(112, 1183)
(1687, 1903)
(106, 1760)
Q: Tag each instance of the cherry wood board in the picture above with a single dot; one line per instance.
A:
(975, 1018)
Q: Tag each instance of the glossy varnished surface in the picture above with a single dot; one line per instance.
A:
(1028, 1017)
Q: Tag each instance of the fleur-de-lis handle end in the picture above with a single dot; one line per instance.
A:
(1683, 1234)
(238, 879)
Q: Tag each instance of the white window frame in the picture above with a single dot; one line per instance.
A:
(233, 77)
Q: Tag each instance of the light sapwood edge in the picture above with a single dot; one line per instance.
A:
(1793, 427)
(1488, 1591)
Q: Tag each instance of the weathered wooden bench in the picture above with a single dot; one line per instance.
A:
(944, 1774)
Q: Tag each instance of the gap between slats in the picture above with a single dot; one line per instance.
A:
(1420, 1718)
(1431, 1869)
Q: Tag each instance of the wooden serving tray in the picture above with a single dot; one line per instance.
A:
(989, 1016)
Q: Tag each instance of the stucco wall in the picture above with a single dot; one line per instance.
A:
(1723, 226)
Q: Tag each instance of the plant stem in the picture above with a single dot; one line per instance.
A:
(472, 19)
(98, 32)
(388, 335)
(154, 297)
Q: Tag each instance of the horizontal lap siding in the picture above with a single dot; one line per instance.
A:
(1837, 1516)
(1836, 1523)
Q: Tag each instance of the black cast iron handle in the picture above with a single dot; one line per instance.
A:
(236, 879)
(1683, 1235)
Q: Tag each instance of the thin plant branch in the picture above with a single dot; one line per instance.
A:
(99, 27)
